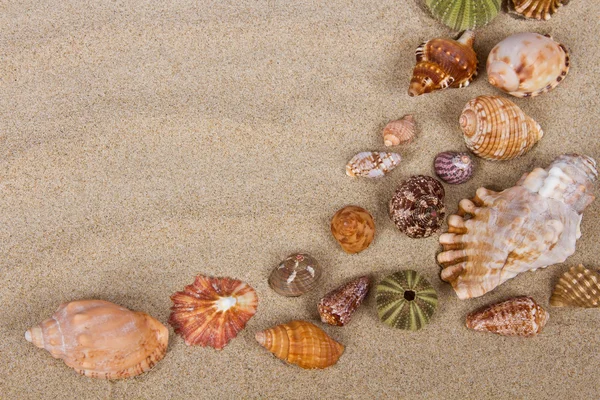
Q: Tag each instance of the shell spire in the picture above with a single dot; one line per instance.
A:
(354, 229)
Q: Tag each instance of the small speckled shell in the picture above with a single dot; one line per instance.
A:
(401, 131)
(372, 164)
(443, 63)
(296, 275)
(520, 316)
(527, 64)
(452, 167)
(537, 9)
(578, 287)
(495, 128)
(417, 207)
(464, 14)
(353, 228)
(337, 306)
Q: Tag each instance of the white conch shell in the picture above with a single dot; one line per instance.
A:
(528, 226)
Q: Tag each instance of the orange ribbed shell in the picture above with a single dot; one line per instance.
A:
(353, 228)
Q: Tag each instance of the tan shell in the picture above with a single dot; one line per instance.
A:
(353, 228)
(528, 226)
(401, 131)
(298, 274)
(372, 164)
(495, 128)
(338, 306)
(578, 287)
(537, 9)
(100, 339)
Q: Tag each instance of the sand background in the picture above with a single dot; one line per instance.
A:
(144, 142)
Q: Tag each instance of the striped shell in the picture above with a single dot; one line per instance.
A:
(578, 287)
(537, 9)
(337, 306)
(405, 300)
(452, 167)
(464, 14)
(372, 164)
(353, 228)
(527, 64)
(297, 274)
(417, 207)
(519, 316)
(443, 63)
(495, 128)
(401, 131)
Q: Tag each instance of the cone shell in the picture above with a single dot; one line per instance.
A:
(527, 64)
(453, 168)
(212, 311)
(301, 343)
(337, 306)
(406, 300)
(495, 128)
(464, 14)
(353, 228)
(443, 63)
(298, 274)
(401, 131)
(100, 339)
(537, 9)
(372, 164)
(417, 207)
(520, 316)
(578, 287)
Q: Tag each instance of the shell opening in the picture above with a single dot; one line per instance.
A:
(409, 295)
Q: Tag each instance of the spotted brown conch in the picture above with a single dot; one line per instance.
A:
(497, 235)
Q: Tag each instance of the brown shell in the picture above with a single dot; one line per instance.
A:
(353, 228)
(337, 306)
(443, 63)
(578, 287)
(537, 9)
(298, 274)
(417, 207)
(401, 131)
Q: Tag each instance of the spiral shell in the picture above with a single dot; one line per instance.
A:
(443, 63)
(100, 339)
(527, 64)
(495, 128)
(401, 131)
(464, 14)
(301, 343)
(353, 228)
(452, 167)
(297, 274)
(537, 9)
(337, 306)
(578, 287)
(417, 207)
(372, 164)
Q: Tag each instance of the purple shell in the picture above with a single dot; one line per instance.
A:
(452, 167)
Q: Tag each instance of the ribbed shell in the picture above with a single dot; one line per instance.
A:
(401, 131)
(417, 207)
(464, 14)
(372, 164)
(301, 343)
(537, 9)
(495, 128)
(353, 228)
(452, 167)
(578, 287)
(297, 274)
(337, 306)
(520, 316)
(406, 300)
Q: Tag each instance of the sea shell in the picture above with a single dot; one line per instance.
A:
(527, 64)
(298, 274)
(406, 300)
(495, 128)
(452, 167)
(519, 316)
(212, 311)
(401, 131)
(578, 287)
(353, 228)
(372, 164)
(528, 226)
(536, 9)
(301, 343)
(464, 14)
(100, 339)
(443, 63)
(417, 207)
(337, 306)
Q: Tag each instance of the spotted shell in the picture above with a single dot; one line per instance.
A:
(372, 164)
(298, 274)
(527, 64)
(578, 287)
(443, 63)
(464, 14)
(417, 207)
(452, 167)
(353, 228)
(401, 131)
(495, 128)
(337, 306)
(536, 9)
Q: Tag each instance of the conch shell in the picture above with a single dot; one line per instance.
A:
(372, 164)
(464, 14)
(337, 306)
(301, 343)
(401, 131)
(100, 339)
(527, 64)
(578, 287)
(353, 228)
(298, 274)
(536, 9)
(528, 226)
(443, 63)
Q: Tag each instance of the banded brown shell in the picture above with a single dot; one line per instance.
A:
(452, 167)
(353, 228)
(578, 287)
(464, 14)
(299, 273)
(401, 131)
(337, 306)
(536, 9)
(372, 164)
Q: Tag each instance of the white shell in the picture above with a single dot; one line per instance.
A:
(372, 164)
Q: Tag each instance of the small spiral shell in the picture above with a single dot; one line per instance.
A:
(353, 228)
(537, 9)
(298, 274)
(372, 164)
(453, 168)
(401, 131)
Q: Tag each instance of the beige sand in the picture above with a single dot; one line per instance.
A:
(143, 142)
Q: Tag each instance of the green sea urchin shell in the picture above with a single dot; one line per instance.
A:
(405, 300)
(464, 14)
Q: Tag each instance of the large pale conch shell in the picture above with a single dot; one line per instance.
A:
(464, 14)
(100, 339)
(536, 9)
(578, 287)
(495, 128)
(527, 64)
(496, 236)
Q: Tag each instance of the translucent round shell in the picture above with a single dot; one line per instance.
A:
(298, 274)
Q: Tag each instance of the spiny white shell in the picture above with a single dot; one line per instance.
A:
(371, 164)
